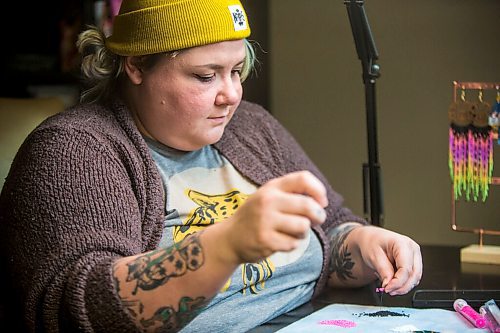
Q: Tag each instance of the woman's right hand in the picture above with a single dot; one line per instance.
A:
(276, 217)
(272, 219)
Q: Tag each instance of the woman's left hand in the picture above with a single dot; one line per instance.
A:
(393, 258)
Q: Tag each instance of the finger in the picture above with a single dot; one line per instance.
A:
(298, 204)
(400, 283)
(294, 226)
(409, 277)
(384, 269)
(304, 182)
(284, 242)
(418, 267)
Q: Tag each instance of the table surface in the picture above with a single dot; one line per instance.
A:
(443, 270)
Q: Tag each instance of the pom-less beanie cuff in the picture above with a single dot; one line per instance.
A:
(153, 26)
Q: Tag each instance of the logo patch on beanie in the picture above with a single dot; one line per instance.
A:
(239, 18)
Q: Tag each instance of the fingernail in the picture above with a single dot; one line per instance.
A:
(321, 214)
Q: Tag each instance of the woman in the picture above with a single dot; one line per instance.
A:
(163, 201)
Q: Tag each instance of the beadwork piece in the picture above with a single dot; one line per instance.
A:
(470, 148)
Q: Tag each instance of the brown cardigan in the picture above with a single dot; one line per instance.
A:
(83, 191)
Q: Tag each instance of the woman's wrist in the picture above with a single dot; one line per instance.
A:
(218, 240)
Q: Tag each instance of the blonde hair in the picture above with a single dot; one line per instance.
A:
(102, 69)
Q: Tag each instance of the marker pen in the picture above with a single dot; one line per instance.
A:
(491, 322)
(493, 309)
(469, 313)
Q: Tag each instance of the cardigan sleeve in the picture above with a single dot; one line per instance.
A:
(72, 204)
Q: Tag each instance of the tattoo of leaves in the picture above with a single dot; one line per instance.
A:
(340, 260)
(166, 319)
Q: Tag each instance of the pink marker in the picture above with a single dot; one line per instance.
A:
(493, 325)
(469, 313)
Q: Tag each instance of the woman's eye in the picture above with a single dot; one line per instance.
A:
(236, 71)
(205, 78)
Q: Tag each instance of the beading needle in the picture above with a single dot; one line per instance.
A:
(381, 293)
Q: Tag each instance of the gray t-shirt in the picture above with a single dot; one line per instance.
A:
(203, 188)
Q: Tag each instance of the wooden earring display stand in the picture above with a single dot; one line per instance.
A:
(476, 253)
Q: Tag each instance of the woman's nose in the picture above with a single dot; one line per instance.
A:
(230, 92)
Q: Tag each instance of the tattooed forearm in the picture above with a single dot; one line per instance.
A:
(138, 281)
(166, 319)
(156, 268)
(135, 307)
(341, 262)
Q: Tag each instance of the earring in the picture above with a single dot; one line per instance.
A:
(480, 150)
(493, 119)
(460, 118)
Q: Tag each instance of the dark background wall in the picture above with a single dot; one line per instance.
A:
(317, 92)
(32, 57)
(309, 77)
(256, 88)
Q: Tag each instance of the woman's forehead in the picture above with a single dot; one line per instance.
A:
(223, 52)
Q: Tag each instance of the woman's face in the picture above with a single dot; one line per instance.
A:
(185, 102)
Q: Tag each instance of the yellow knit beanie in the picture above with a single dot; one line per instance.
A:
(153, 26)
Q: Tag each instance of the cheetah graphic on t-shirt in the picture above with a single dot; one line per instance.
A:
(212, 209)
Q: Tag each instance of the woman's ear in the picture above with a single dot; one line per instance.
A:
(133, 69)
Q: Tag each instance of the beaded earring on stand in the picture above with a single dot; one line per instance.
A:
(460, 118)
(480, 150)
(493, 119)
